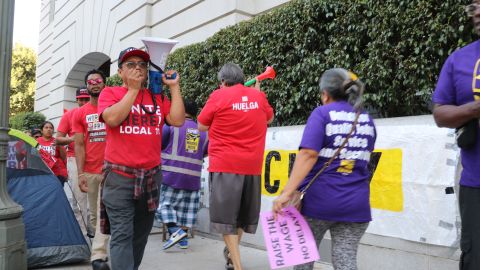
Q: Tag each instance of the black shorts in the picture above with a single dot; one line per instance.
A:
(234, 202)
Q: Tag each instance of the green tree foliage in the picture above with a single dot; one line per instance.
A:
(22, 84)
(26, 120)
(114, 80)
(396, 47)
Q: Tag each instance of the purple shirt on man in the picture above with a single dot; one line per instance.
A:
(342, 191)
(459, 78)
(182, 157)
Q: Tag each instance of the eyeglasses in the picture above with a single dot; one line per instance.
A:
(95, 82)
(37, 136)
(471, 9)
(132, 65)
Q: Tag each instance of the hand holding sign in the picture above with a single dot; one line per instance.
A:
(279, 203)
(288, 239)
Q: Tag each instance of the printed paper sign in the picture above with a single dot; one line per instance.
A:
(12, 159)
(288, 239)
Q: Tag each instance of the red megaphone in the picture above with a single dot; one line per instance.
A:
(269, 73)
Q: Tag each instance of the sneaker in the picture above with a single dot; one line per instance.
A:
(174, 238)
(183, 244)
(100, 265)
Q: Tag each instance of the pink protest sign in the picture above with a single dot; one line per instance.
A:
(288, 239)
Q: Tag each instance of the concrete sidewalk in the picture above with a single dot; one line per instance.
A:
(205, 252)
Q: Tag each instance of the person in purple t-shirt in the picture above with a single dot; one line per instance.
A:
(457, 103)
(182, 159)
(338, 200)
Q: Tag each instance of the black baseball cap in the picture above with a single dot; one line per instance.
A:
(131, 51)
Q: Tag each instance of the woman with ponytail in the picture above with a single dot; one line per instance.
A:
(338, 196)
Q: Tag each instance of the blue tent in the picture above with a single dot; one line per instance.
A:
(52, 233)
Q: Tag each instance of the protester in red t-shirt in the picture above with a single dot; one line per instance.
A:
(65, 127)
(134, 118)
(57, 157)
(65, 137)
(236, 119)
(90, 136)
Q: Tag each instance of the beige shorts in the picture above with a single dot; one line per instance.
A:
(234, 202)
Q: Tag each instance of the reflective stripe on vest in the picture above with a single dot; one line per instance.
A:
(181, 170)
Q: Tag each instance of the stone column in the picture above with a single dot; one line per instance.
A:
(12, 231)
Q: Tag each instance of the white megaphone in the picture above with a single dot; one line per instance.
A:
(158, 49)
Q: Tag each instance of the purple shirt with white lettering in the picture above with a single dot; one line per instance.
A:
(459, 77)
(342, 191)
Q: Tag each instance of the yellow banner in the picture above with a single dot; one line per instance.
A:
(386, 191)
(277, 165)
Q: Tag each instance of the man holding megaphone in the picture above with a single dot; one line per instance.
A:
(134, 117)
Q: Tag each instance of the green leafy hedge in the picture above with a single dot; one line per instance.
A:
(26, 120)
(396, 47)
(114, 80)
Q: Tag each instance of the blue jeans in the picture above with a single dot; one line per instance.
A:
(130, 221)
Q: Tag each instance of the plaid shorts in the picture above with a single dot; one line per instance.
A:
(178, 205)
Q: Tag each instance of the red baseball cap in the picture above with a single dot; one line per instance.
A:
(131, 51)
(82, 93)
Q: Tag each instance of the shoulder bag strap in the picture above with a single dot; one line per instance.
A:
(335, 155)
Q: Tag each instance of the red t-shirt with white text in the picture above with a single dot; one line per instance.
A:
(86, 121)
(237, 117)
(66, 127)
(137, 141)
(59, 167)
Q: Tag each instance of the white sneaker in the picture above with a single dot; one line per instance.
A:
(174, 238)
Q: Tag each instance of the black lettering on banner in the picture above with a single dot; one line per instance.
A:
(276, 183)
(372, 165)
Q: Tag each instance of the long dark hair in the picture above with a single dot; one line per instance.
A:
(44, 123)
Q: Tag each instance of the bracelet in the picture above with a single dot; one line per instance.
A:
(80, 174)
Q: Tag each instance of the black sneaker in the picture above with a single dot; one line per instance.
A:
(100, 265)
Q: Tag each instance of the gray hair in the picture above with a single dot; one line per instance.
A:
(231, 74)
(340, 85)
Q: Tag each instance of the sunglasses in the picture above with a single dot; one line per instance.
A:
(132, 65)
(37, 136)
(470, 9)
(95, 82)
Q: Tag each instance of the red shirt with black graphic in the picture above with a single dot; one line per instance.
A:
(86, 122)
(237, 117)
(137, 141)
(66, 127)
(53, 160)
